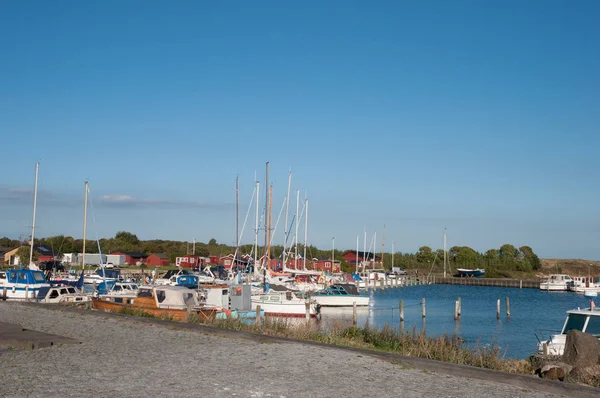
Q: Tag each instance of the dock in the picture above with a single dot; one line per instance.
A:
(499, 282)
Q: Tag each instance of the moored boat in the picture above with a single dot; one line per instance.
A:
(177, 303)
(556, 282)
(61, 295)
(285, 304)
(586, 320)
(22, 284)
(341, 295)
(470, 273)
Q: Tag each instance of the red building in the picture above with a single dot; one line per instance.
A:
(158, 260)
(350, 257)
(132, 258)
(326, 265)
(190, 261)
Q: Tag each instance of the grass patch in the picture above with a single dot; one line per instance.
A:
(135, 312)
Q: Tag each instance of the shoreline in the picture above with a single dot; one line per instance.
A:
(151, 356)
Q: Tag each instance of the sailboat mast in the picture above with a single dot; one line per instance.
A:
(374, 247)
(393, 243)
(256, 224)
(266, 261)
(296, 233)
(269, 225)
(85, 200)
(237, 214)
(37, 168)
(287, 209)
(357, 238)
(382, 244)
(445, 253)
(305, 231)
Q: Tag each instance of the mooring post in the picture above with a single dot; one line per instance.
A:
(508, 307)
(307, 306)
(521, 284)
(401, 307)
(354, 316)
(258, 314)
(456, 310)
(423, 311)
(498, 309)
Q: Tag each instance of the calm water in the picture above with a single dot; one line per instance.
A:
(531, 310)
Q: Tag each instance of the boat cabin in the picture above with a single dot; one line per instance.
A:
(165, 297)
(584, 320)
(61, 294)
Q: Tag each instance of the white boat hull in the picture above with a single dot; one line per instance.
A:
(341, 301)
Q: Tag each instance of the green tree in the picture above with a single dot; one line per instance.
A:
(466, 256)
(127, 237)
(23, 254)
(508, 252)
(425, 255)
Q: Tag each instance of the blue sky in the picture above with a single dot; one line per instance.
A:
(478, 117)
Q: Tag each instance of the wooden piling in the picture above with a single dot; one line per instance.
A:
(423, 310)
(459, 307)
(307, 307)
(521, 284)
(508, 307)
(258, 314)
(456, 310)
(401, 307)
(545, 349)
(354, 315)
(498, 309)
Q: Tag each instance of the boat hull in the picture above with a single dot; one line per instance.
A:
(470, 273)
(147, 307)
(341, 301)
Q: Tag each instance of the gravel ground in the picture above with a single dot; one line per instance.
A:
(124, 357)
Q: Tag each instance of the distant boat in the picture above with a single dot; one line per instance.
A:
(470, 273)
(556, 282)
(341, 295)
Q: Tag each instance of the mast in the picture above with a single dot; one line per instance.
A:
(374, 247)
(35, 189)
(382, 245)
(85, 200)
(332, 254)
(256, 224)
(305, 231)
(445, 255)
(287, 208)
(357, 254)
(266, 214)
(237, 214)
(393, 242)
(193, 246)
(296, 234)
(364, 256)
(269, 225)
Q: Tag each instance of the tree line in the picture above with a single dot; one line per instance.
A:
(497, 262)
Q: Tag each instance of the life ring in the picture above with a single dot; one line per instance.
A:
(321, 279)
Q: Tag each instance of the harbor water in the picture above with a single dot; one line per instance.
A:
(531, 311)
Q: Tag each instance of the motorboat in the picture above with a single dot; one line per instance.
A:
(285, 304)
(62, 295)
(22, 284)
(585, 320)
(176, 303)
(178, 278)
(581, 284)
(470, 273)
(102, 275)
(556, 282)
(341, 295)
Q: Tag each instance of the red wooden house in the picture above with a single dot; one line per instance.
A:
(158, 260)
(132, 258)
(350, 257)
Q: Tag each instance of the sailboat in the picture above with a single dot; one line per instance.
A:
(24, 284)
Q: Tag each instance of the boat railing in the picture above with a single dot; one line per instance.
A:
(543, 335)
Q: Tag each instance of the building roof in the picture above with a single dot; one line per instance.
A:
(363, 255)
(134, 254)
(4, 250)
(160, 255)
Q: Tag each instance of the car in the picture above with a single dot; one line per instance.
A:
(52, 265)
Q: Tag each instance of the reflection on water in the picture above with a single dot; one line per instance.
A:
(531, 309)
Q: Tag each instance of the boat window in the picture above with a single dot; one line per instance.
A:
(118, 299)
(117, 288)
(288, 295)
(71, 290)
(13, 275)
(22, 276)
(64, 291)
(38, 277)
(189, 299)
(161, 295)
(54, 294)
(145, 293)
(274, 298)
(576, 321)
(593, 326)
(133, 287)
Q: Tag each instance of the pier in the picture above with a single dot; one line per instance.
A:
(500, 282)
